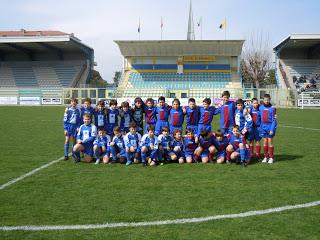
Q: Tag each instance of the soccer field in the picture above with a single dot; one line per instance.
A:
(68, 194)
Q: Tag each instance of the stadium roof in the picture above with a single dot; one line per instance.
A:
(296, 41)
(181, 47)
(28, 41)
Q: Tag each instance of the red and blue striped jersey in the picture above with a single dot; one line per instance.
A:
(193, 116)
(176, 117)
(206, 115)
(268, 115)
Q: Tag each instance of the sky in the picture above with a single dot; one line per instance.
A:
(99, 23)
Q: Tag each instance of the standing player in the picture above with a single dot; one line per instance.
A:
(254, 136)
(100, 118)
(85, 137)
(226, 110)
(192, 115)
(243, 118)
(125, 117)
(137, 114)
(268, 115)
(150, 114)
(162, 112)
(176, 116)
(112, 116)
(71, 124)
(87, 109)
(206, 116)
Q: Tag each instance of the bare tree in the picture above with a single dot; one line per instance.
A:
(256, 60)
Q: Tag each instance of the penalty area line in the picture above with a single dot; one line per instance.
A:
(3, 186)
(313, 129)
(160, 222)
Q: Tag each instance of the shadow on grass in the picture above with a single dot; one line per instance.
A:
(280, 158)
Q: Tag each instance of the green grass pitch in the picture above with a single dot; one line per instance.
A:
(70, 194)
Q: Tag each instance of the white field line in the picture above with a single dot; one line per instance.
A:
(157, 223)
(29, 173)
(313, 129)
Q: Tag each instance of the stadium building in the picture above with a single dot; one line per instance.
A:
(42, 63)
(180, 68)
(298, 62)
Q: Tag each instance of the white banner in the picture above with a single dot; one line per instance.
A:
(29, 100)
(309, 102)
(8, 100)
(51, 101)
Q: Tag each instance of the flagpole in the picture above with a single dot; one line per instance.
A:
(201, 29)
(161, 26)
(139, 29)
(225, 28)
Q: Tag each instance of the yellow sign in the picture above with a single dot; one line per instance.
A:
(199, 58)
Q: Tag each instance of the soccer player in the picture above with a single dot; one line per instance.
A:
(192, 115)
(71, 124)
(132, 142)
(268, 115)
(226, 110)
(238, 148)
(206, 146)
(178, 148)
(100, 117)
(101, 147)
(112, 116)
(150, 114)
(149, 147)
(87, 109)
(243, 118)
(206, 115)
(162, 113)
(125, 117)
(137, 114)
(190, 145)
(85, 137)
(117, 146)
(254, 137)
(165, 144)
(176, 116)
(221, 142)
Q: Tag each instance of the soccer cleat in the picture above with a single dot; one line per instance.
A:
(270, 160)
(265, 160)
(97, 162)
(66, 158)
(244, 164)
(228, 162)
(144, 164)
(128, 163)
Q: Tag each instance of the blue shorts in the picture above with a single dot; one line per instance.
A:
(88, 149)
(254, 134)
(194, 128)
(265, 130)
(205, 153)
(172, 128)
(110, 127)
(221, 154)
(179, 154)
(201, 127)
(189, 154)
(117, 150)
(226, 131)
(159, 126)
(72, 130)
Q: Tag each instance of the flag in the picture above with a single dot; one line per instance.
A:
(139, 27)
(199, 22)
(161, 23)
(223, 25)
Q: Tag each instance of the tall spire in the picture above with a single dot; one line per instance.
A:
(190, 35)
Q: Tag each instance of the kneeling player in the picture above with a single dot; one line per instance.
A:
(238, 147)
(117, 146)
(132, 142)
(190, 145)
(149, 147)
(221, 142)
(85, 137)
(101, 147)
(177, 153)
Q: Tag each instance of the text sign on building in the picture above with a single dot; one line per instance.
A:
(199, 58)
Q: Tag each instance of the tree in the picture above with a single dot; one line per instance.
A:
(256, 60)
(116, 78)
(97, 81)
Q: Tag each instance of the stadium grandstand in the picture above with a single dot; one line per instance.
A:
(37, 62)
(298, 63)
